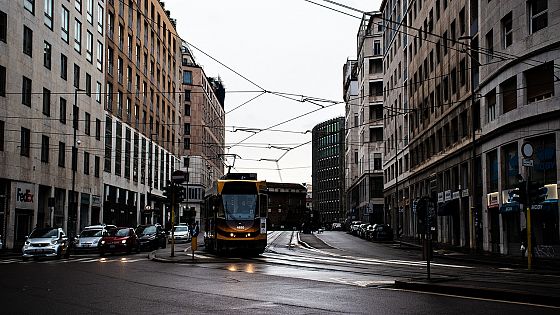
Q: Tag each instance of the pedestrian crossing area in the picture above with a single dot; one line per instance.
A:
(77, 260)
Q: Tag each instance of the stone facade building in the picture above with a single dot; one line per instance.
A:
(51, 115)
(363, 93)
(143, 112)
(463, 149)
(203, 130)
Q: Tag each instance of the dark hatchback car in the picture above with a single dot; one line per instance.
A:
(121, 239)
(382, 232)
(151, 236)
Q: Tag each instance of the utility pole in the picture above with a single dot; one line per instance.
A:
(75, 122)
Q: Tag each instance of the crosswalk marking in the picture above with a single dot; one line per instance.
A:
(81, 260)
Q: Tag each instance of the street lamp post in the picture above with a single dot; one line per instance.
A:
(75, 159)
(472, 193)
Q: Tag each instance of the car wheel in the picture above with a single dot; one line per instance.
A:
(101, 253)
(67, 254)
(163, 244)
(59, 253)
(25, 258)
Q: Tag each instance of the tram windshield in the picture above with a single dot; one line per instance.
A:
(240, 207)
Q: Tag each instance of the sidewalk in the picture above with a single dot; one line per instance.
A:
(540, 265)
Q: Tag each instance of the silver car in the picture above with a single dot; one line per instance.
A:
(90, 237)
(182, 233)
(46, 242)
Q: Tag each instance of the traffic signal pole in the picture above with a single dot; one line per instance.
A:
(173, 220)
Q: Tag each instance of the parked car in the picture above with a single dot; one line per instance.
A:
(361, 230)
(89, 239)
(336, 226)
(151, 236)
(46, 242)
(369, 231)
(121, 239)
(382, 232)
(181, 233)
(354, 227)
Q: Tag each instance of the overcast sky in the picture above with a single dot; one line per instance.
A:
(288, 46)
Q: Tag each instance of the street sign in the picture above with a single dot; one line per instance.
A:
(179, 177)
(528, 162)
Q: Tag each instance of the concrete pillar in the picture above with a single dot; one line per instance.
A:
(66, 205)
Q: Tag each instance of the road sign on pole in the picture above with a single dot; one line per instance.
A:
(179, 177)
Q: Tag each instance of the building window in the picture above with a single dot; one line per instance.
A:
(187, 77)
(97, 129)
(76, 76)
(75, 116)
(540, 82)
(376, 47)
(186, 143)
(45, 149)
(96, 166)
(98, 92)
(490, 45)
(3, 26)
(26, 91)
(2, 126)
(62, 111)
(46, 102)
(2, 81)
(89, 11)
(49, 13)
(47, 55)
(88, 84)
(87, 122)
(491, 105)
(99, 56)
(78, 5)
(100, 19)
(29, 5)
(74, 158)
(89, 47)
(61, 154)
(86, 163)
(77, 36)
(538, 14)
(27, 41)
(507, 30)
(65, 24)
(509, 94)
(108, 143)
(63, 67)
(25, 144)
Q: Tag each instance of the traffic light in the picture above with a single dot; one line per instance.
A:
(518, 194)
(537, 193)
(168, 192)
(179, 193)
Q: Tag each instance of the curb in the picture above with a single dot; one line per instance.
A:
(477, 292)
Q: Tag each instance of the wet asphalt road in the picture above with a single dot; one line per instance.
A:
(283, 281)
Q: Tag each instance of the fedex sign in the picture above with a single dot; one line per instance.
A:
(25, 196)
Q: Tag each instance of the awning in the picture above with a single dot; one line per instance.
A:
(449, 207)
(510, 208)
(549, 205)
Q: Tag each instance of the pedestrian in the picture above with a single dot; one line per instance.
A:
(194, 237)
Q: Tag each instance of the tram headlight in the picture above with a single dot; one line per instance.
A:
(248, 234)
(231, 235)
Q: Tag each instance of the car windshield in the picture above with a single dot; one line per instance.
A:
(91, 233)
(240, 207)
(145, 230)
(118, 232)
(181, 229)
(44, 233)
